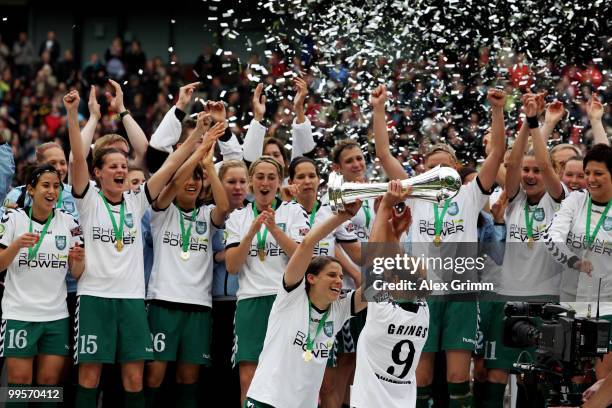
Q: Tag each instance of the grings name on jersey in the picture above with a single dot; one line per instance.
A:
(412, 330)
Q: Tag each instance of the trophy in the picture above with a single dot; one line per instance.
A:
(435, 185)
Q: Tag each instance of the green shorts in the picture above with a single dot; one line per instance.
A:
(28, 339)
(497, 355)
(453, 325)
(111, 330)
(180, 335)
(250, 325)
(484, 319)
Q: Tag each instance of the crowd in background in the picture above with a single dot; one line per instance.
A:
(436, 100)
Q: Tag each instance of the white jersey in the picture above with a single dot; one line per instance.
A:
(110, 273)
(283, 378)
(261, 278)
(327, 246)
(388, 352)
(460, 225)
(529, 272)
(35, 291)
(172, 278)
(566, 241)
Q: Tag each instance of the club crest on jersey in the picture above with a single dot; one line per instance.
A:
(200, 227)
(282, 226)
(607, 225)
(68, 206)
(328, 329)
(453, 208)
(60, 242)
(539, 214)
(129, 220)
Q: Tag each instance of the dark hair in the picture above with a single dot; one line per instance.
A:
(299, 160)
(466, 171)
(316, 265)
(33, 180)
(341, 146)
(600, 153)
(275, 141)
(100, 154)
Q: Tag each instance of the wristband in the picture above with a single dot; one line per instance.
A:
(123, 114)
(533, 122)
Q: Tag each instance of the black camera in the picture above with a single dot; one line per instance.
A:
(566, 346)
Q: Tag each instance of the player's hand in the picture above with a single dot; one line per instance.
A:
(27, 240)
(185, 94)
(259, 103)
(116, 101)
(93, 105)
(76, 254)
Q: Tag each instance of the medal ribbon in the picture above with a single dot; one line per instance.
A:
(118, 231)
(591, 238)
(313, 213)
(309, 340)
(438, 221)
(33, 251)
(261, 238)
(368, 214)
(529, 220)
(186, 234)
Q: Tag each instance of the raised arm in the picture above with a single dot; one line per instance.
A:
(296, 268)
(390, 164)
(222, 205)
(169, 192)
(157, 182)
(554, 113)
(595, 112)
(253, 141)
(549, 175)
(301, 129)
(136, 136)
(80, 171)
(488, 171)
(89, 129)
(513, 165)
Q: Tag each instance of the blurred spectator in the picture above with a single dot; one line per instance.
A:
(23, 54)
(5, 53)
(52, 46)
(134, 58)
(114, 59)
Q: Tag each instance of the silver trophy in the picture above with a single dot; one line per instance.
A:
(435, 185)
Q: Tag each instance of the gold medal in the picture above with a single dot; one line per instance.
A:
(185, 255)
(119, 245)
(437, 240)
(530, 243)
(262, 254)
(307, 355)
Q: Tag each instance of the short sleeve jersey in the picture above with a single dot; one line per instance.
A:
(35, 290)
(281, 360)
(256, 277)
(326, 247)
(172, 278)
(387, 355)
(529, 271)
(110, 273)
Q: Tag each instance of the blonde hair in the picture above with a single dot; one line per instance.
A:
(43, 148)
(269, 160)
(109, 139)
(231, 164)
